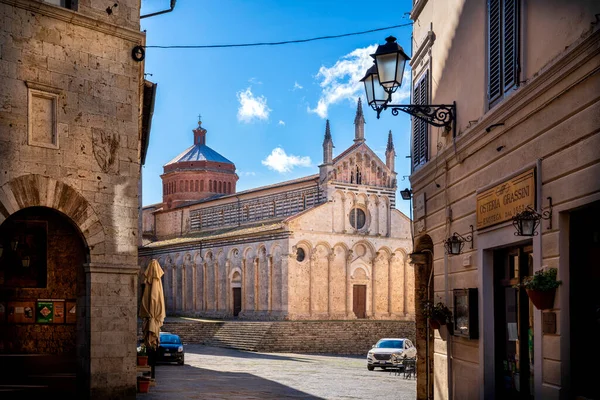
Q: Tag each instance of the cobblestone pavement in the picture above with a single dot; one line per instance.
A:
(217, 373)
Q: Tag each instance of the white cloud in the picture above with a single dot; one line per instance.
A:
(297, 86)
(281, 122)
(342, 81)
(252, 107)
(255, 81)
(246, 173)
(279, 161)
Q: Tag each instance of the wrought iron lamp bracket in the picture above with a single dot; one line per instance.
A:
(458, 238)
(440, 115)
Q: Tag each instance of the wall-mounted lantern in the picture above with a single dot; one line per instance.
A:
(455, 243)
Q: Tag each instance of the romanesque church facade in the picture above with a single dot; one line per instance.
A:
(327, 246)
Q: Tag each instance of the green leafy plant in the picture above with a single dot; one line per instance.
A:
(542, 280)
(437, 311)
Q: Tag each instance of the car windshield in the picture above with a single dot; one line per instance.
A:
(169, 339)
(390, 344)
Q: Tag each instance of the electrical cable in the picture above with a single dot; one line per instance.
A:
(213, 46)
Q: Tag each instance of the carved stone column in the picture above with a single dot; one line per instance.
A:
(374, 283)
(330, 259)
(377, 202)
(244, 288)
(270, 283)
(348, 284)
(256, 302)
(343, 213)
(313, 260)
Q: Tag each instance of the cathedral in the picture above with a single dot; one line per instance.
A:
(328, 246)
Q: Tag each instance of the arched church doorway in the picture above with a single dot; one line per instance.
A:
(42, 286)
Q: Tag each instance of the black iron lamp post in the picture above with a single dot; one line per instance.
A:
(385, 77)
(455, 243)
(527, 221)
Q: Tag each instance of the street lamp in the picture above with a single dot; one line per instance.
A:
(527, 221)
(455, 243)
(406, 194)
(385, 77)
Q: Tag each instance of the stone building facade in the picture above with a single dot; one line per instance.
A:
(327, 246)
(524, 75)
(74, 109)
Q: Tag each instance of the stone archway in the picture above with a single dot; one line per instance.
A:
(75, 236)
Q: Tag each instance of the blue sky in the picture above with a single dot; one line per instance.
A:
(265, 107)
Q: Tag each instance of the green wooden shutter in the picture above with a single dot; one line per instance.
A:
(494, 50)
(510, 65)
(420, 96)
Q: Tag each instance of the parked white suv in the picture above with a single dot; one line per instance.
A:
(381, 353)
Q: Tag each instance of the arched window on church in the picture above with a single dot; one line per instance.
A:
(202, 185)
(187, 186)
(358, 176)
(210, 185)
(196, 186)
(181, 186)
(220, 189)
(229, 187)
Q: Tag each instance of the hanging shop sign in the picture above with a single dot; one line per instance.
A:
(502, 202)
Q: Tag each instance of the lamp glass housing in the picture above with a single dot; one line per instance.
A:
(376, 94)
(527, 227)
(390, 60)
(406, 194)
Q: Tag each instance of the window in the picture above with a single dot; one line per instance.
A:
(420, 127)
(503, 48)
(357, 218)
(42, 116)
(71, 4)
(300, 255)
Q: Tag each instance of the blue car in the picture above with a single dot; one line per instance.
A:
(170, 348)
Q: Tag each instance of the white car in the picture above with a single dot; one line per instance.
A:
(381, 353)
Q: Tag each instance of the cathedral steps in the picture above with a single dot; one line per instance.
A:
(240, 335)
(333, 337)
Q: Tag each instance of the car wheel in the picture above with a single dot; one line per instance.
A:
(180, 362)
(370, 367)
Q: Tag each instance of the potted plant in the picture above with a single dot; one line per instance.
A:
(541, 287)
(142, 355)
(437, 313)
(143, 384)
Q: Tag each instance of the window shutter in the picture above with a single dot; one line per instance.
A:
(510, 43)
(420, 96)
(494, 49)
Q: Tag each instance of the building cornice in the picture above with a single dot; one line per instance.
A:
(417, 8)
(423, 48)
(75, 18)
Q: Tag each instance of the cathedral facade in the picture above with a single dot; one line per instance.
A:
(327, 246)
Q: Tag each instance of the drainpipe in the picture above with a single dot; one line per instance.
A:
(160, 12)
(537, 265)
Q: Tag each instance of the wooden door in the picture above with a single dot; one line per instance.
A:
(359, 302)
(237, 301)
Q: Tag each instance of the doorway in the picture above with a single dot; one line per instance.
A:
(513, 324)
(359, 303)
(237, 301)
(584, 308)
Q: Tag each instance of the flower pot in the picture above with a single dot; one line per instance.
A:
(143, 385)
(542, 300)
(142, 360)
(434, 323)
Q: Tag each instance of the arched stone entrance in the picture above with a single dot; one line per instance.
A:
(49, 234)
(422, 259)
(42, 285)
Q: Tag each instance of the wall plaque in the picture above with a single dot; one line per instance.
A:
(504, 201)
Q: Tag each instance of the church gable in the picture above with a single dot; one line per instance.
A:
(361, 166)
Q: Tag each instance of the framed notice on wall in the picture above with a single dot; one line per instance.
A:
(70, 312)
(20, 312)
(59, 312)
(45, 311)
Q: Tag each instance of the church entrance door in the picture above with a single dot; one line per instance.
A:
(237, 301)
(359, 303)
